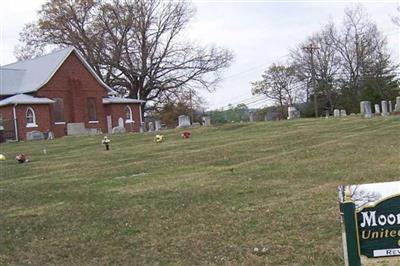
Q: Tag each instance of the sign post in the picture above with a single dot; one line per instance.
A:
(348, 209)
(373, 230)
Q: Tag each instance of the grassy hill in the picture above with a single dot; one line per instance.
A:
(210, 199)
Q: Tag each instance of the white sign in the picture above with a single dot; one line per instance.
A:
(387, 252)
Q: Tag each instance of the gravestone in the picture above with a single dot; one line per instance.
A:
(397, 105)
(293, 113)
(336, 113)
(390, 107)
(50, 135)
(384, 109)
(251, 117)
(206, 120)
(151, 126)
(367, 109)
(326, 114)
(157, 125)
(196, 124)
(76, 129)
(109, 124)
(377, 109)
(120, 122)
(183, 121)
(362, 107)
(118, 130)
(34, 135)
(343, 113)
(93, 131)
(272, 116)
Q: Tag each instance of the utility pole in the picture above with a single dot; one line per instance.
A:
(191, 105)
(311, 48)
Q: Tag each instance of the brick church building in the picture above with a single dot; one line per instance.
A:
(57, 91)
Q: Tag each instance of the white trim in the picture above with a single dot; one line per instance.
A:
(59, 123)
(93, 122)
(30, 125)
(15, 123)
(129, 121)
(130, 118)
(117, 100)
(140, 115)
(33, 124)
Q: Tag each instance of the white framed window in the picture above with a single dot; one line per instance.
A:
(30, 117)
(128, 114)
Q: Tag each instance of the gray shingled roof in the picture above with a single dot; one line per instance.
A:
(30, 75)
(25, 99)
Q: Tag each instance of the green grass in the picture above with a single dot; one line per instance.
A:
(210, 199)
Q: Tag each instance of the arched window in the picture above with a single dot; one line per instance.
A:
(58, 110)
(128, 114)
(30, 117)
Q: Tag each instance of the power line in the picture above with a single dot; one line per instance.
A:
(250, 69)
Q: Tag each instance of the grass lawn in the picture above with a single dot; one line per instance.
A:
(210, 199)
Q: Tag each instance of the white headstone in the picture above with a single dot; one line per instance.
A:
(343, 113)
(157, 125)
(206, 120)
(109, 124)
(397, 105)
(390, 107)
(293, 113)
(326, 114)
(120, 122)
(251, 117)
(183, 121)
(367, 109)
(384, 108)
(151, 127)
(362, 107)
(50, 135)
(336, 113)
(377, 109)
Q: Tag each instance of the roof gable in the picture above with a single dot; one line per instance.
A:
(30, 75)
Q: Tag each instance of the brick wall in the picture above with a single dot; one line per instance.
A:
(42, 115)
(118, 110)
(74, 84)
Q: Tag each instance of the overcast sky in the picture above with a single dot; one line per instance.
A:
(258, 32)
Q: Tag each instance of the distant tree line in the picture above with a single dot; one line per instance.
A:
(237, 113)
(352, 63)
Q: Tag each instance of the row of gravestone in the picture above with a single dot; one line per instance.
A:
(384, 109)
(154, 126)
(184, 121)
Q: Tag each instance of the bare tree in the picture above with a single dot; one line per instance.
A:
(135, 46)
(325, 62)
(362, 49)
(396, 19)
(280, 84)
(363, 197)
